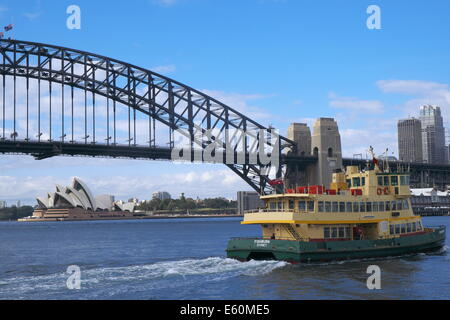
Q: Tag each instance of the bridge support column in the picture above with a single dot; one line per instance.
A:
(326, 145)
(296, 175)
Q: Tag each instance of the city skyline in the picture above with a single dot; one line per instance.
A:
(363, 78)
(423, 139)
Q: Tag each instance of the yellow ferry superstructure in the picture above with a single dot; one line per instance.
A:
(360, 211)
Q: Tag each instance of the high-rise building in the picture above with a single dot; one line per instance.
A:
(433, 134)
(248, 200)
(2, 204)
(161, 195)
(410, 140)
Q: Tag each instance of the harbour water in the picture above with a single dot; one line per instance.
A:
(185, 259)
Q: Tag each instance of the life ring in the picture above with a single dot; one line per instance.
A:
(386, 190)
(379, 191)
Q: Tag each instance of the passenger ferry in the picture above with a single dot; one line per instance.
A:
(363, 214)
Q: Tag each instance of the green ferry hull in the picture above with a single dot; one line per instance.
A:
(300, 251)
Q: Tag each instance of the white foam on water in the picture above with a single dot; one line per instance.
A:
(212, 268)
(189, 267)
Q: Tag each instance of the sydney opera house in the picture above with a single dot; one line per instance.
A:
(76, 202)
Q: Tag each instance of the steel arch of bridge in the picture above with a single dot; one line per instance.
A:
(171, 103)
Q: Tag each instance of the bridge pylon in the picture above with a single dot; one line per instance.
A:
(324, 145)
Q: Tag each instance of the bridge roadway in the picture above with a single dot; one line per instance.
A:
(422, 175)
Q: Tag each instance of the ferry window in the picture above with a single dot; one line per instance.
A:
(302, 205)
(403, 228)
(391, 229)
(419, 226)
(403, 180)
(334, 232)
(405, 205)
(380, 180)
(399, 205)
(326, 233)
(320, 206)
(397, 229)
(280, 205)
(408, 227)
(349, 183)
(381, 206)
(327, 206)
(291, 204)
(369, 206)
(407, 180)
(335, 206)
(310, 205)
(375, 207)
(363, 181)
(388, 205)
(386, 180)
(273, 205)
(341, 232)
(362, 207)
(394, 180)
(356, 182)
(349, 207)
(355, 206)
(393, 205)
(414, 227)
(341, 206)
(347, 232)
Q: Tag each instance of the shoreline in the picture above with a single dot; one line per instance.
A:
(129, 218)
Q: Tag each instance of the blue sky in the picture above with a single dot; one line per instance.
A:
(278, 61)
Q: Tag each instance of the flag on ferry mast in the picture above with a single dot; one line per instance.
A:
(276, 182)
(8, 27)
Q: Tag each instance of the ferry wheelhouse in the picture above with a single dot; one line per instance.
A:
(363, 214)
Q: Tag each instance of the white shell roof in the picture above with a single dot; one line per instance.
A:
(79, 195)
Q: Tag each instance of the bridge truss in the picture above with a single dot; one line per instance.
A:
(61, 101)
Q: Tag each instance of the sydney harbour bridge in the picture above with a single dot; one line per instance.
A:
(57, 101)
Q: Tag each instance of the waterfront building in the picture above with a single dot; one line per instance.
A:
(430, 201)
(161, 195)
(410, 140)
(433, 134)
(248, 200)
(2, 204)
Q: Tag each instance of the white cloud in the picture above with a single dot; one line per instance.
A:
(355, 104)
(32, 15)
(410, 87)
(164, 69)
(214, 182)
(166, 2)
(242, 103)
(424, 93)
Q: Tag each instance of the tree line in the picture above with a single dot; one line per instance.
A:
(14, 213)
(186, 204)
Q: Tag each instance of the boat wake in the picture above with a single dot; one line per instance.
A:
(190, 267)
(150, 276)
